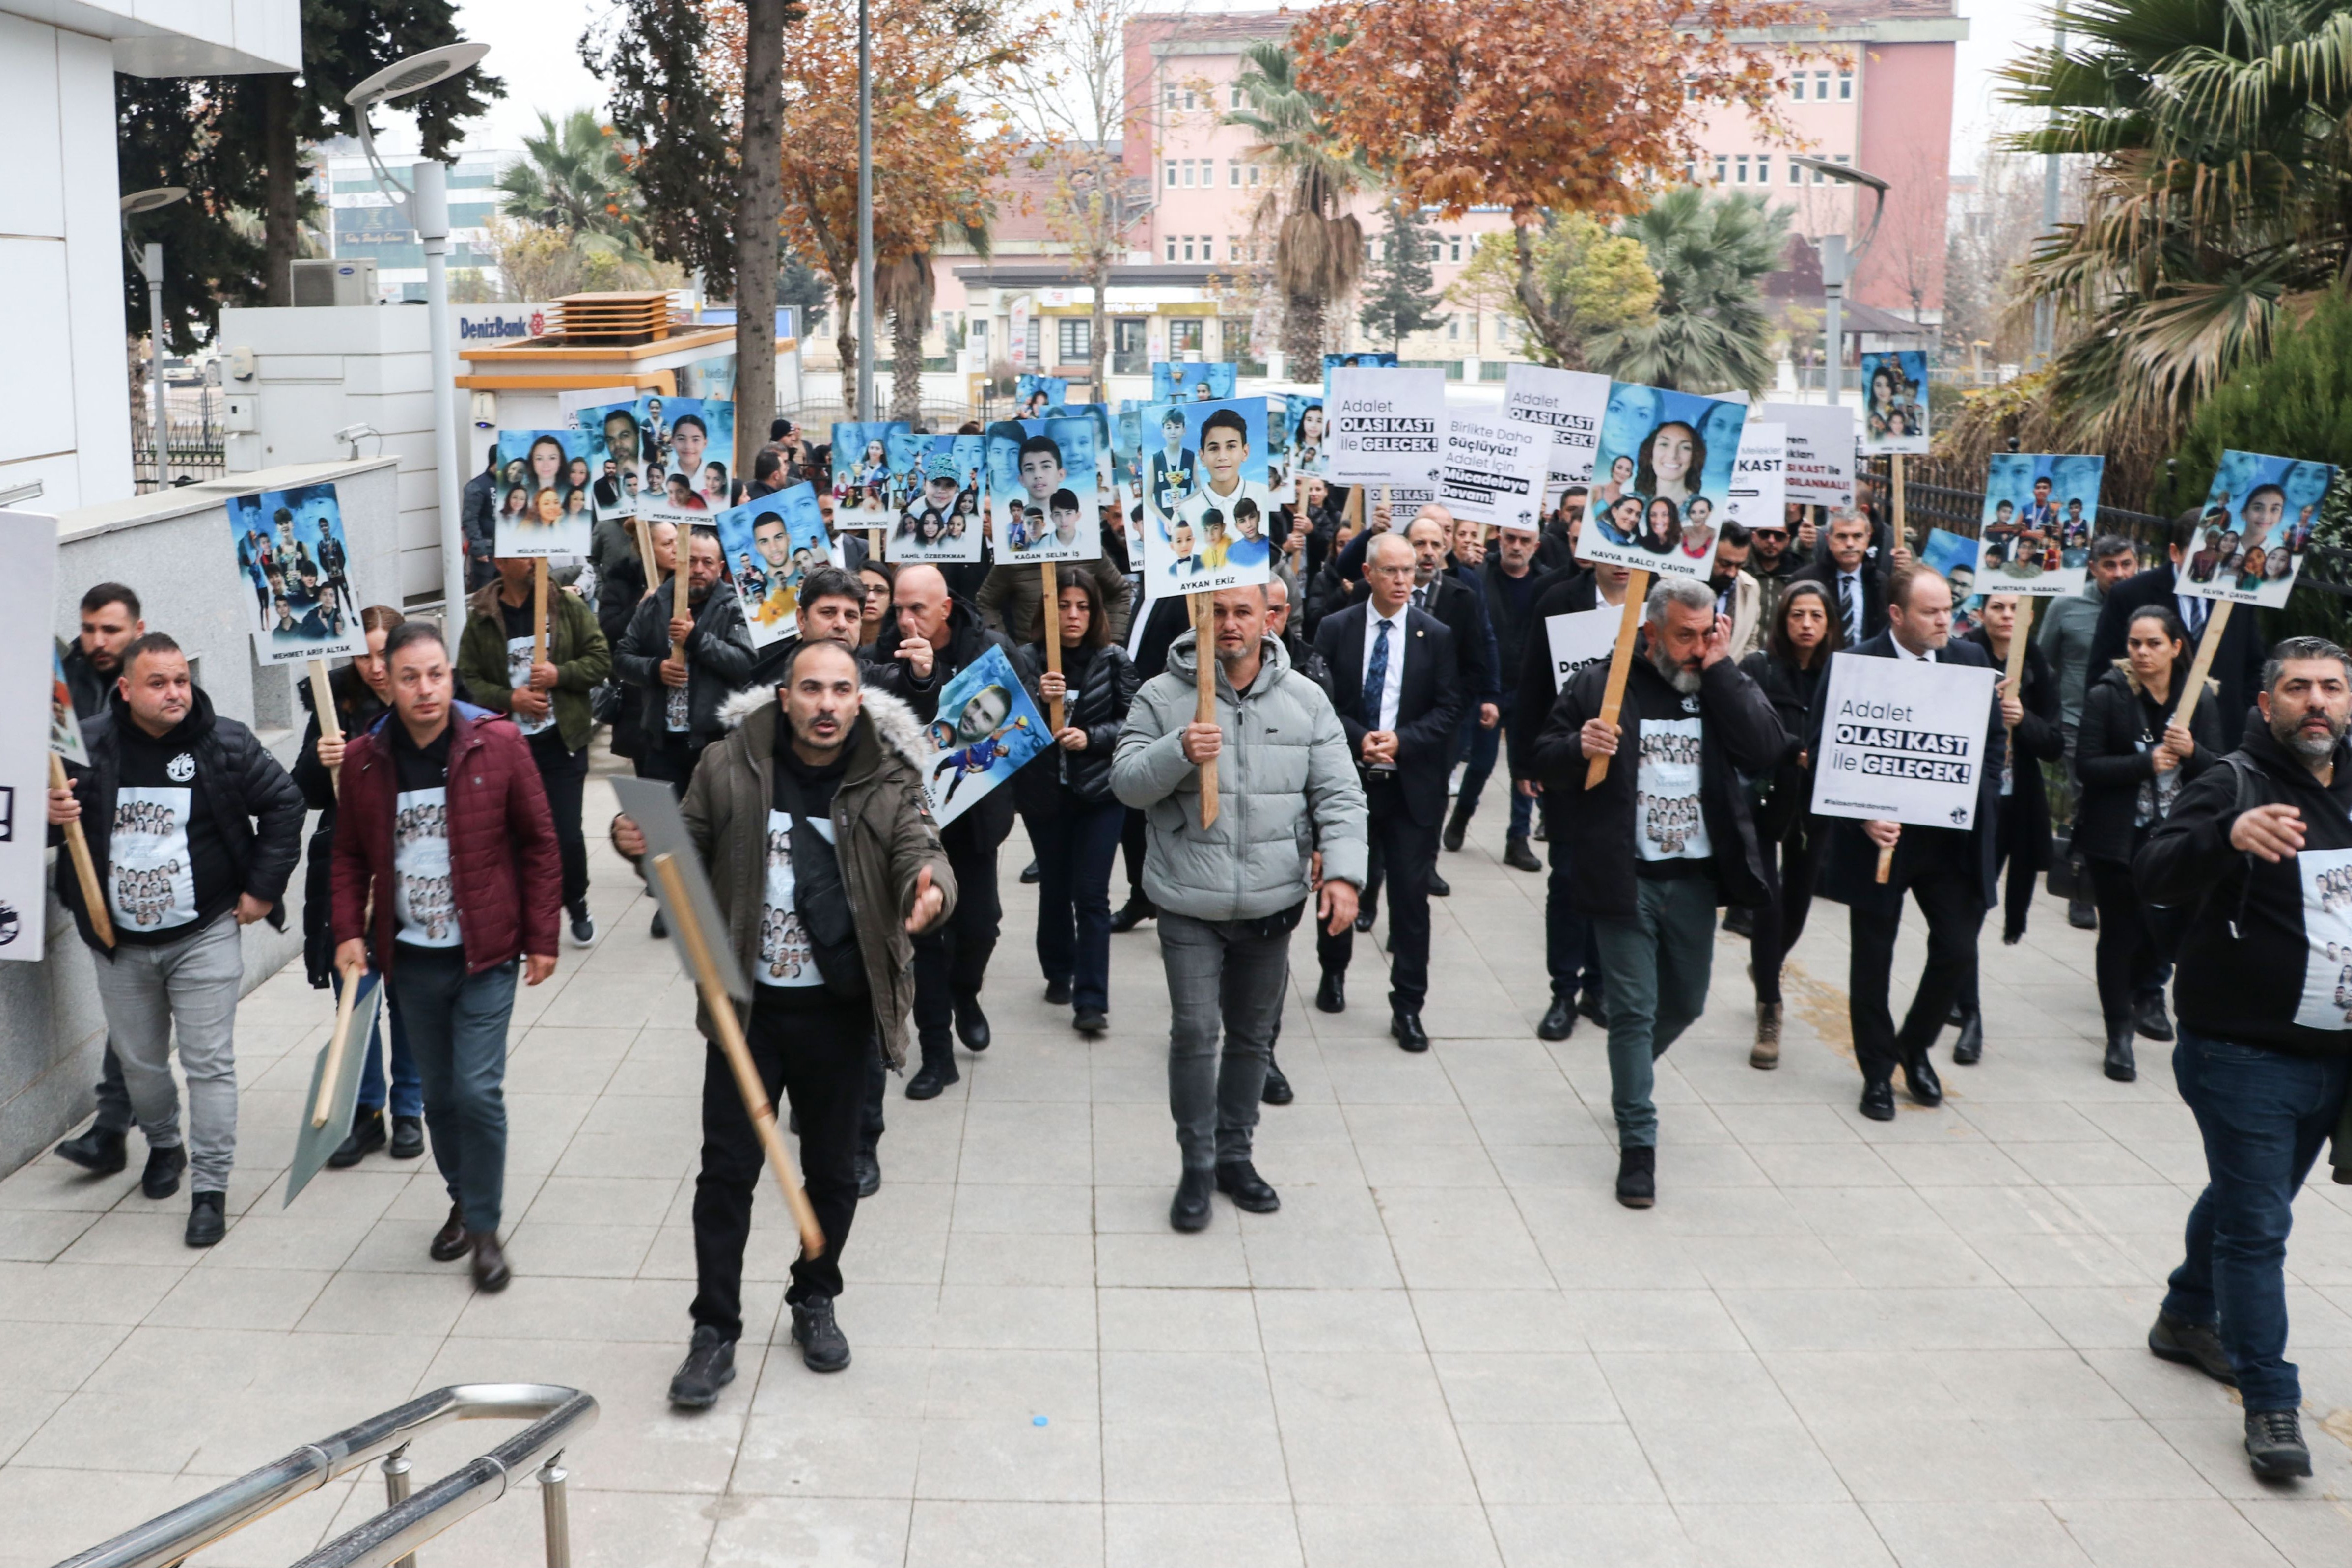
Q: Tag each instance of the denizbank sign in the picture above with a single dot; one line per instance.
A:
(499, 323)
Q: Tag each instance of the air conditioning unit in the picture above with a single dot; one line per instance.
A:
(334, 282)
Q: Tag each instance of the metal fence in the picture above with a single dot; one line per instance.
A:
(195, 447)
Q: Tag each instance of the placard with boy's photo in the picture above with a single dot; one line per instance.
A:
(1953, 557)
(1895, 402)
(296, 568)
(986, 729)
(542, 495)
(1043, 500)
(1661, 474)
(1207, 508)
(2258, 520)
(685, 443)
(2040, 514)
(768, 545)
(944, 515)
(861, 473)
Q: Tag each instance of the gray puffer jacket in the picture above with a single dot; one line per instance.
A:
(1286, 785)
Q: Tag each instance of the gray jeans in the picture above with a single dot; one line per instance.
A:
(1654, 967)
(1228, 972)
(188, 988)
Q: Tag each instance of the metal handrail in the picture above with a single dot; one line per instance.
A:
(558, 1416)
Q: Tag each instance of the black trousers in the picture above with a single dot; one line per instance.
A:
(813, 1052)
(952, 960)
(1130, 843)
(670, 758)
(2129, 954)
(1942, 877)
(1793, 864)
(1571, 951)
(1410, 853)
(564, 775)
(2016, 898)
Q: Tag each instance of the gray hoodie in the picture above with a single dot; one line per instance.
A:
(1286, 785)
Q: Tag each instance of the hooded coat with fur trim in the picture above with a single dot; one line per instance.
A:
(883, 836)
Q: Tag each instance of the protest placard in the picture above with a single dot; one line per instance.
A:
(768, 546)
(1043, 501)
(1207, 505)
(2258, 519)
(1568, 403)
(1495, 470)
(1895, 402)
(939, 486)
(2041, 511)
(865, 493)
(1174, 383)
(1387, 425)
(1758, 476)
(28, 564)
(1578, 638)
(1663, 469)
(986, 729)
(1038, 396)
(291, 556)
(1903, 740)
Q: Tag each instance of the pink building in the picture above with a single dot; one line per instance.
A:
(1873, 91)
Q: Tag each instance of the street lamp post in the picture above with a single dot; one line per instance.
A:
(864, 210)
(150, 265)
(1838, 267)
(426, 200)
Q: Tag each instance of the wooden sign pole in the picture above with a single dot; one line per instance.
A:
(539, 610)
(331, 728)
(2216, 623)
(646, 549)
(1621, 665)
(337, 1044)
(78, 845)
(1049, 613)
(732, 1044)
(1886, 862)
(1894, 464)
(2013, 680)
(679, 609)
(1204, 654)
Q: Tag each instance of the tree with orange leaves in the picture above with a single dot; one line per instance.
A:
(1535, 106)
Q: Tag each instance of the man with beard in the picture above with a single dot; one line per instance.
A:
(1666, 836)
(1772, 562)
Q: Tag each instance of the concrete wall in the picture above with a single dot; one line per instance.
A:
(175, 549)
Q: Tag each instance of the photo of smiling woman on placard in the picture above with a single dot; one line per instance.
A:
(1894, 409)
(1667, 459)
(2257, 524)
(536, 516)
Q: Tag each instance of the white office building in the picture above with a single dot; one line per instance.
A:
(361, 222)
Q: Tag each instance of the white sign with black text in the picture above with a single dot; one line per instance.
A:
(1495, 472)
(1903, 740)
(1821, 450)
(1567, 403)
(1758, 476)
(1387, 425)
(1581, 637)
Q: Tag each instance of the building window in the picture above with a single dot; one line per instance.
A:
(1191, 99)
(1188, 173)
(1763, 168)
(1188, 248)
(1436, 250)
(1796, 175)
(1845, 85)
(1797, 87)
(1171, 174)
(1454, 248)
(1452, 329)
(1739, 165)
(1690, 90)
(1036, 345)
(1169, 101)
(1186, 334)
(1232, 248)
(1171, 248)
(1822, 87)
(1077, 340)
(1722, 168)
(1252, 173)
(1236, 101)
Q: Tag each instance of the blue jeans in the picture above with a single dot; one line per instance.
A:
(458, 1024)
(1076, 846)
(407, 1087)
(1657, 962)
(2264, 1115)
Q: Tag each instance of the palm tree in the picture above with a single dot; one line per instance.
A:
(1318, 248)
(2220, 197)
(1710, 330)
(905, 288)
(573, 177)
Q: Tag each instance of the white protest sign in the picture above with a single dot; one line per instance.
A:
(1581, 637)
(1495, 472)
(1387, 425)
(1759, 475)
(1568, 404)
(1903, 740)
(28, 565)
(1821, 451)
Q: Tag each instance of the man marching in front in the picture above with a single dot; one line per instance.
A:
(448, 878)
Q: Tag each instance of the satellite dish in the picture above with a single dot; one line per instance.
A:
(416, 73)
(148, 201)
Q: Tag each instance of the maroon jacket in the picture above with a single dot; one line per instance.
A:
(501, 842)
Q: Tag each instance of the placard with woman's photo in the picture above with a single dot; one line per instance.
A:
(1662, 473)
(543, 494)
(864, 492)
(2258, 520)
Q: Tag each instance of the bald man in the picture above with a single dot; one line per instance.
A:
(930, 639)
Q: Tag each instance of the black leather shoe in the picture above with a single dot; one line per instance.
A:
(2274, 1445)
(1331, 995)
(660, 926)
(709, 1366)
(937, 1072)
(1589, 1006)
(1558, 1020)
(1920, 1077)
(1957, 1016)
(1739, 920)
(1410, 1034)
(824, 1347)
(2176, 1339)
(162, 1177)
(1970, 1047)
(1518, 857)
(2081, 915)
(2147, 1016)
(1439, 888)
(2119, 1065)
(1057, 992)
(869, 1172)
(1637, 1177)
(407, 1137)
(971, 1024)
(207, 1222)
(1090, 1021)
(1878, 1100)
(1277, 1089)
(1455, 826)
(491, 1273)
(449, 1242)
(1133, 913)
(1239, 1181)
(100, 1151)
(367, 1137)
(1542, 833)
(1190, 1209)
(1030, 875)
(1366, 911)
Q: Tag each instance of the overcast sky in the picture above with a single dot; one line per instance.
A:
(533, 45)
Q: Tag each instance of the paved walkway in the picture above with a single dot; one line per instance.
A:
(1831, 1340)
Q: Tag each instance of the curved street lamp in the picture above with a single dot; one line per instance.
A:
(1838, 267)
(150, 265)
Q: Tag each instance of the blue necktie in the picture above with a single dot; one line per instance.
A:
(1376, 678)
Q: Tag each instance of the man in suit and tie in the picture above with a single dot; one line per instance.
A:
(1856, 591)
(1950, 871)
(1463, 609)
(1397, 682)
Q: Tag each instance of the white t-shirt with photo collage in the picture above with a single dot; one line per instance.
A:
(784, 955)
(424, 904)
(1668, 824)
(152, 874)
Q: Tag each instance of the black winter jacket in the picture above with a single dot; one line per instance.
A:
(255, 806)
(717, 661)
(1097, 704)
(2237, 665)
(1791, 691)
(2036, 740)
(2113, 766)
(1533, 696)
(2262, 961)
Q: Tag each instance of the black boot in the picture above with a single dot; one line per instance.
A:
(1189, 1211)
(1637, 1177)
(2120, 1066)
(1031, 875)
(1518, 857)
(1137, 909)
(709, 1366)
(2147, 1015)
(1739, 920)
(2081, 915)
(824, 1347)
(1559, 1019)
(971, 1024)
(1277, 1089)
(100, 1152)
(937, 1072)
(162, 1177)
(367, 1136)
(1970, 1045)
(1455, 826)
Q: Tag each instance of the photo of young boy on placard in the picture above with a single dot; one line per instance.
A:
(1043, 500)
(1663, 471)
(768, 546)
(1211, 531)
(942, 517)
(542, 494)
(2039, 510)
(296, 568)
(2258, 519)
